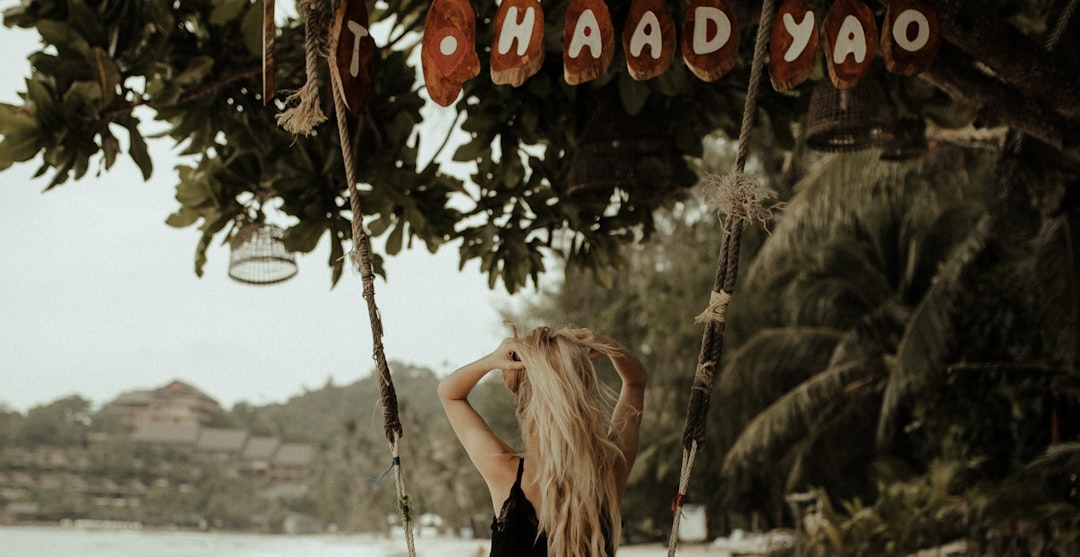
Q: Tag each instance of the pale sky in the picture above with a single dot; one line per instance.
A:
(98, 295)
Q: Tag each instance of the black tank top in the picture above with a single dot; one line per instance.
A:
(513, 532)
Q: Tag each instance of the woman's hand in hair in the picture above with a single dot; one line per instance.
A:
(591, 339)
(505, 356)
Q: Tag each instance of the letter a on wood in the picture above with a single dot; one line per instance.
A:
(588, 41)
(648, 39)
(851, 39)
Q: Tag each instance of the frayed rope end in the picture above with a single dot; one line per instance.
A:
(301, 118)
(739, 196)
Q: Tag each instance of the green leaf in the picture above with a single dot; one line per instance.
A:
(110, 147)
(19, 148)
(304, 236)
(62, 35)
(137, 148)
(186, 216)
(393, 242)
(195, 72)
(633, 93)
(252, 29)
(14, 120)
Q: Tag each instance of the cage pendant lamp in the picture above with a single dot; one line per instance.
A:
(842, 121)
(258, 255)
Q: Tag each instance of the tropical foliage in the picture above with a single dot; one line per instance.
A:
(113, 73)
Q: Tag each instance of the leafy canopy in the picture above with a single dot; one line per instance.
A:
(112, 73)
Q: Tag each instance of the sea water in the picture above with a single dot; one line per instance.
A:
(34, 541)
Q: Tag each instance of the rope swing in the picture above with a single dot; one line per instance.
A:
(301, 119)
(739, 198)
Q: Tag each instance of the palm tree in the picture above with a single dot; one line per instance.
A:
(849, 310)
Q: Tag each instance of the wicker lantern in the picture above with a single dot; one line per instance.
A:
(258, 255)
(841, 121)
(621, 152)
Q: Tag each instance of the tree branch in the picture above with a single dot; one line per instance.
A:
(999, 103)
(1011, 55)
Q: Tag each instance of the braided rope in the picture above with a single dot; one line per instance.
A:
(361, 257)
(727, 268)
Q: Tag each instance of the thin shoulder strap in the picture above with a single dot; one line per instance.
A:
(521, 468)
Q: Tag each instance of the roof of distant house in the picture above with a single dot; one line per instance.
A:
(294, 454)
(167, 432)
(221, 439)
(260, 448)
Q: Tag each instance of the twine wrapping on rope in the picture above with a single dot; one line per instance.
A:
(304, 112)
(717, 310)
(727, 267)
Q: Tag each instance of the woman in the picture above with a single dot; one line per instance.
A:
(562, 497)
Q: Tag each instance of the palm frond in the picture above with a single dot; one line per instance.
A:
(842, 190)
(923, 348)
(791, 414)
(1054, 271)
(1064, 457)
(774, 360)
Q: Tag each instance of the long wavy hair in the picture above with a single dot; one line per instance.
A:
(565, 414)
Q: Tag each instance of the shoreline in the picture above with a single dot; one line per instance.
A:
(443, 545)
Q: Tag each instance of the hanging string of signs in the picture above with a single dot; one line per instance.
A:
(848, 37)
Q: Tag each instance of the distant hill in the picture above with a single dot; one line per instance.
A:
(316, 415)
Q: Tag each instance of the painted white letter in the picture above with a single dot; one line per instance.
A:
(906, 19)
(586, 33)
(359, 32)
(800, 34)
(851, 39)
(703, 44)
(512, 30)
(647, 34)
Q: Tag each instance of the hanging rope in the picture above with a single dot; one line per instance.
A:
(304, 112)
(739, 198)
(301, 119)
(361, 256)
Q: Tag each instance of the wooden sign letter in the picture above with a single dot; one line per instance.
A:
(851, 39)
(710, 39)
(792, 45)
(447, 51)
(353, 58)
(588, 41)
(910, 37)
(648, 39)
(520, 23)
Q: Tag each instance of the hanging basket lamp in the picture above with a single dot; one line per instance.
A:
(258, 255)
(621, 152)
(843, 121)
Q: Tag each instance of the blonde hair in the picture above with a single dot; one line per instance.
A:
(564, 414)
